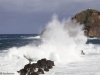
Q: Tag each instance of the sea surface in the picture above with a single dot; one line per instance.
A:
(62, 43)
(17, 40)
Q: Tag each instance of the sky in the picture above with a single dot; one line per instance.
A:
(32, 16)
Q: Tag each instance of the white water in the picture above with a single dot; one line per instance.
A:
(37, 37)
(62, 43)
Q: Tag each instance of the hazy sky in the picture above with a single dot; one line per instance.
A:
(31, 16)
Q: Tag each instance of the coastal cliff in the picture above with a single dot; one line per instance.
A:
(90, 18)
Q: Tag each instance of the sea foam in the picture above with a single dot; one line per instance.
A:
(62, 42)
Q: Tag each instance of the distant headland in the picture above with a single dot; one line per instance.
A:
(90, 18)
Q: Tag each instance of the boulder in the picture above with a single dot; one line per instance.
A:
(31, 69)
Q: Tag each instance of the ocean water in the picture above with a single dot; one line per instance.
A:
(62, 43)
(17, 40)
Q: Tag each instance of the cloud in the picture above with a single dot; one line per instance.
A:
(28, 5)
(41, 5)
(17, 14)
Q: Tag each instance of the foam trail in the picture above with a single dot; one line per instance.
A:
(62, 43)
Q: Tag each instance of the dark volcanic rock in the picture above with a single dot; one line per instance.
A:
(91, 20)
(42, 65)
(34, 73)
(50, 64)
(40, 71)
(22, 72)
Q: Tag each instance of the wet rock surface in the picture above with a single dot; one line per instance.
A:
(37, 68)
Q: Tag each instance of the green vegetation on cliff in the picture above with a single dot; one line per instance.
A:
(91, 20)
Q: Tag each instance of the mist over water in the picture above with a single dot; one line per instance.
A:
(62, 42)
(67, 38)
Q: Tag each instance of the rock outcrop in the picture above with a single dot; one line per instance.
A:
(91, 20)
(37, 68)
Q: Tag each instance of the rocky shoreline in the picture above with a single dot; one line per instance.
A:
(37, 68)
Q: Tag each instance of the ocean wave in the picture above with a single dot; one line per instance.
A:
(63, 45)
(31, 37)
